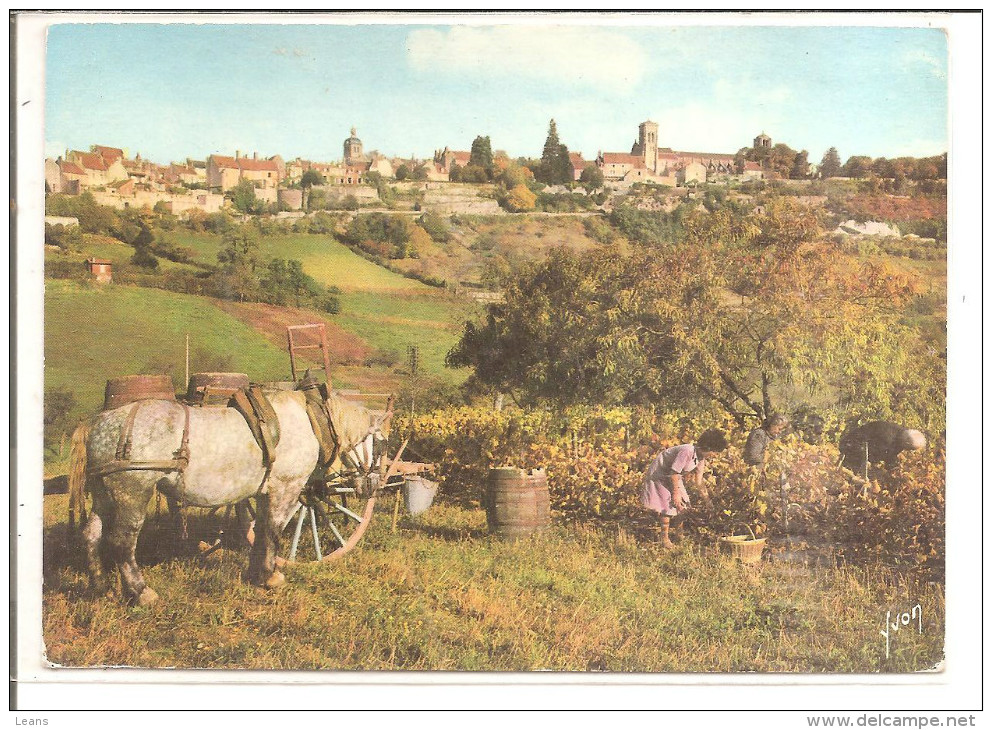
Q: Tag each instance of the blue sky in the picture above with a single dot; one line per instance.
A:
(176, 90)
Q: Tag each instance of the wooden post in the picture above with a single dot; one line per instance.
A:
(396, 509)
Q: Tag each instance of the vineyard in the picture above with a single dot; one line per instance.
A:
(595, 461)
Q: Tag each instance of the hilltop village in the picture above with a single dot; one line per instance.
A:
(120, 181)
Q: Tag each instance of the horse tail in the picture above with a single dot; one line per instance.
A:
(77, 472)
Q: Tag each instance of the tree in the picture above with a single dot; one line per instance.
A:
(310, 178)
(830, 164)
(592, 177)
(800, 166)
(239, 263)
(482, 155)
(549, 157)
(563, 167)
(857, 166)
(752, 303)
(555, 167)
(402, 172)
(740, 160)
(243, 197)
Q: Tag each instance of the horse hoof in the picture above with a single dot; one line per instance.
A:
(147, 598)
(276, 580)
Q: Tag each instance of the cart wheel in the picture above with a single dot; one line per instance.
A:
(329, 521)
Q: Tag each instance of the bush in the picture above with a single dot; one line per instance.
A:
(67, 238)
(520, 199)
(435, 226)
(145, 259)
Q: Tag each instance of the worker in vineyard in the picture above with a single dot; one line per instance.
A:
(664, 491)
(759, 438)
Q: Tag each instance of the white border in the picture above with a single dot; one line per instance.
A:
(958, 686)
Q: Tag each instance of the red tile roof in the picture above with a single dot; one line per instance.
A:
(91, 161)
(709, 156)
(108, 153)
(462, 158)
(246, 163)
(752, 165)
(71, 168)
(221, 161)
(621, 158)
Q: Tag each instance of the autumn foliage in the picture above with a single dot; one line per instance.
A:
(595, 459)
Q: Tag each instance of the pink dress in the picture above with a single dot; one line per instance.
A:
(655, 493)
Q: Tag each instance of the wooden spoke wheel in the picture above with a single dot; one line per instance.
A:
(330, 520)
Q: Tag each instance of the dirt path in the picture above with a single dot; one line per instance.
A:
(271, 321)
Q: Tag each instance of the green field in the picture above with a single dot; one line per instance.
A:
(324, 258)
(387, 310)
(94, 333)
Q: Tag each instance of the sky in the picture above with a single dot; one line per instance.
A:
(177, 90)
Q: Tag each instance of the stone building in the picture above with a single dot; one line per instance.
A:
(353, 155)
(647, 162)
(224, 173)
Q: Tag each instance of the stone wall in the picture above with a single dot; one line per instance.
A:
(448, 198)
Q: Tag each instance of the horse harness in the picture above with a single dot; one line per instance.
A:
(122, 460)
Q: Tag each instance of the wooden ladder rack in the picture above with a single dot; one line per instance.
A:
(321, 345)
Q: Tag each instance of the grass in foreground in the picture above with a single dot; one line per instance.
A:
(441, 594)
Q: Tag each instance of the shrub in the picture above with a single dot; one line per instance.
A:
(435, 226)
(520, 199)
(145, 259)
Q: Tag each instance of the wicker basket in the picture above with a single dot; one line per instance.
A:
(745, 548)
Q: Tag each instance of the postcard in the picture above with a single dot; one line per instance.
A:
(585, 354)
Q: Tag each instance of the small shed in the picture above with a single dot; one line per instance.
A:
(100, 270)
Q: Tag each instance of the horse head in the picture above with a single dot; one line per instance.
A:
(364, 436)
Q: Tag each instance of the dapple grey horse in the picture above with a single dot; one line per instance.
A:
(222, 465)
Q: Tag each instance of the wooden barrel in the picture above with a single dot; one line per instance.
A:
(517, 502)
(214, 388)
(131, 388)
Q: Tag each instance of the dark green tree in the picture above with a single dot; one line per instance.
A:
(592, 177)
(243, 197)
(800, 166)
(551, 147)
(830, 164)
(482, 155)
(858, 166)
(239, 263)
(307, 181)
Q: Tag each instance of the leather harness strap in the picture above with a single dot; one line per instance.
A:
(123, 461)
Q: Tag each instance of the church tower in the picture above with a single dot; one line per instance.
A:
(647, 144)
(353, 150)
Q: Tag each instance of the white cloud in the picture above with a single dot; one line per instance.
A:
(597, 57)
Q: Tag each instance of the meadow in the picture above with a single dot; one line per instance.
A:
(441, 594)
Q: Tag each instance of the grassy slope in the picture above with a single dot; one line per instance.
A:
(386, 310)
(96, 333)
(440, 594)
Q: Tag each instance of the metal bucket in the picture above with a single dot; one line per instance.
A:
(517, 502)
(418, 494)
(131, 388)
(211, 389)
